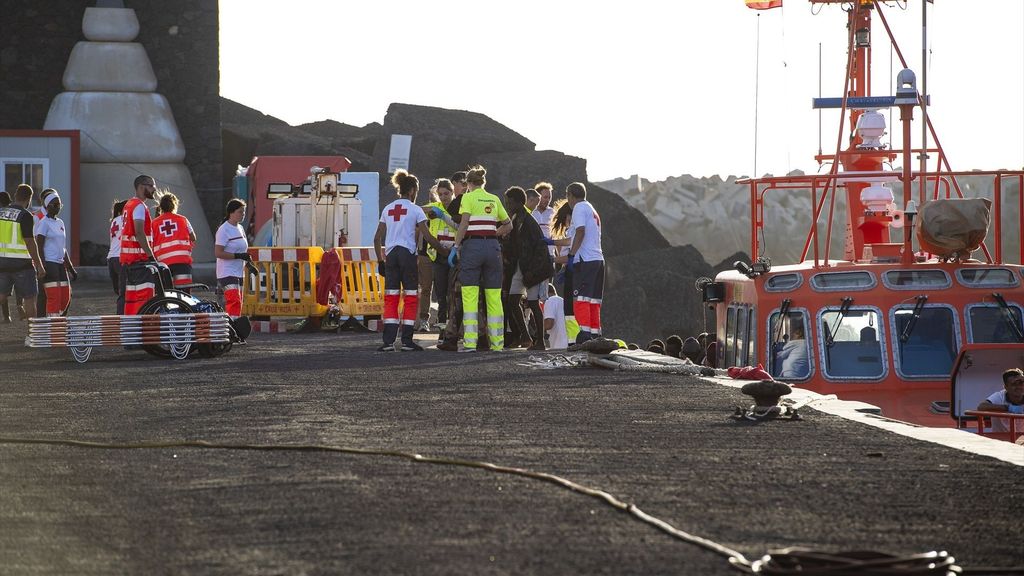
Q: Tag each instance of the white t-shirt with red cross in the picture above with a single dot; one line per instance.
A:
(401, 217)
(115, 237)
(584, 216)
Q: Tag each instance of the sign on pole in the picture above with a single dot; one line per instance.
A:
(399, 156)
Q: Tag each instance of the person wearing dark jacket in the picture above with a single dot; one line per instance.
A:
(527, 267)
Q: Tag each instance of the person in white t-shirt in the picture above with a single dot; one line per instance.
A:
(554, 321)
(1009, 399)
(231, 247)
(114, 253)
(52, 239)
(544, 212)
(395, 247)
(585, 262)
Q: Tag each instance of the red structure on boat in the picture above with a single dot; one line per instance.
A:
(891, 321)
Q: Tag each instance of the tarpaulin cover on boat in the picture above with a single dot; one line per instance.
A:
(953, 227)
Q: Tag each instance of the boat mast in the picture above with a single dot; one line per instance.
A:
(860, 230)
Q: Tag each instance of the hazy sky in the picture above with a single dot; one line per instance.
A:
(650, 87)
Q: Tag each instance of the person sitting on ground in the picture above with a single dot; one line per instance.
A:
(554, 321)
(673, 346)
(633, 346)
(692, 350)
(1009, 399)
(793, 356)
(656, 346)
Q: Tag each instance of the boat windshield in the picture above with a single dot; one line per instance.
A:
(988, 324)
(790, 350)
(930, 346)
(854, 349)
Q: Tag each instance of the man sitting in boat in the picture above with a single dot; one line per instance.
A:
(792, 357)
(1009, 399)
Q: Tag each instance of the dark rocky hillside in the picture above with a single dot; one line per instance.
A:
(649, 290)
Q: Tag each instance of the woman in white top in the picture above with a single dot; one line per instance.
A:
(114, 253)
(395, 246)
(232, 251)
(51, 239)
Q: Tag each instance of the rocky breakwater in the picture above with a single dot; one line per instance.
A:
(713, 214)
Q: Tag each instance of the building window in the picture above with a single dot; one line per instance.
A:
(31, 171)
(925, 346)
(851, 344)
(790, 357)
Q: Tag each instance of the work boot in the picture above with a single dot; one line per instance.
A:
(449, 345)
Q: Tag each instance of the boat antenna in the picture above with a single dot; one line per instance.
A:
(757, 86)
(891, 48)
(924, 91)
(819, 96)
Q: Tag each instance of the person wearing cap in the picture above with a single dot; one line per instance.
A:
(483, 220)
(20, 262)
(136, 280)
(173, 240)
(51, 238)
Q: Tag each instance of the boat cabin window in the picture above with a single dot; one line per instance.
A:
(925, 342)
(851, 343)
(739, 336)
(986, 277)
(730, 336)
(842, 281)
(989, 323)
(783, 282)
(916, 279)
(790, 349)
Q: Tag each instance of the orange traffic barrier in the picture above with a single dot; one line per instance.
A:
(286, 283)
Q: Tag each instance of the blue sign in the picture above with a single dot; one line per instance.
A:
(857, 102)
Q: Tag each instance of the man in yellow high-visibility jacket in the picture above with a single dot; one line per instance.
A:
(483, 220)
(20, 262)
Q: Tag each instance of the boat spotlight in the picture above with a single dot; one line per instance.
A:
(871, 128)
(743, 268)
(863, 37)
(876, 198)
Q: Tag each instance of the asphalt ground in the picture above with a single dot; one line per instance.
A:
(665, 443)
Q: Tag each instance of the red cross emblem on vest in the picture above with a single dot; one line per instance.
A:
(114, 229)
(397, 212)
(169, 227)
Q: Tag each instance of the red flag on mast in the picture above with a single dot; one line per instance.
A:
(763, 4)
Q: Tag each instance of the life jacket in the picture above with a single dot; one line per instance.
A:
(171, 241)
(131, 250)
